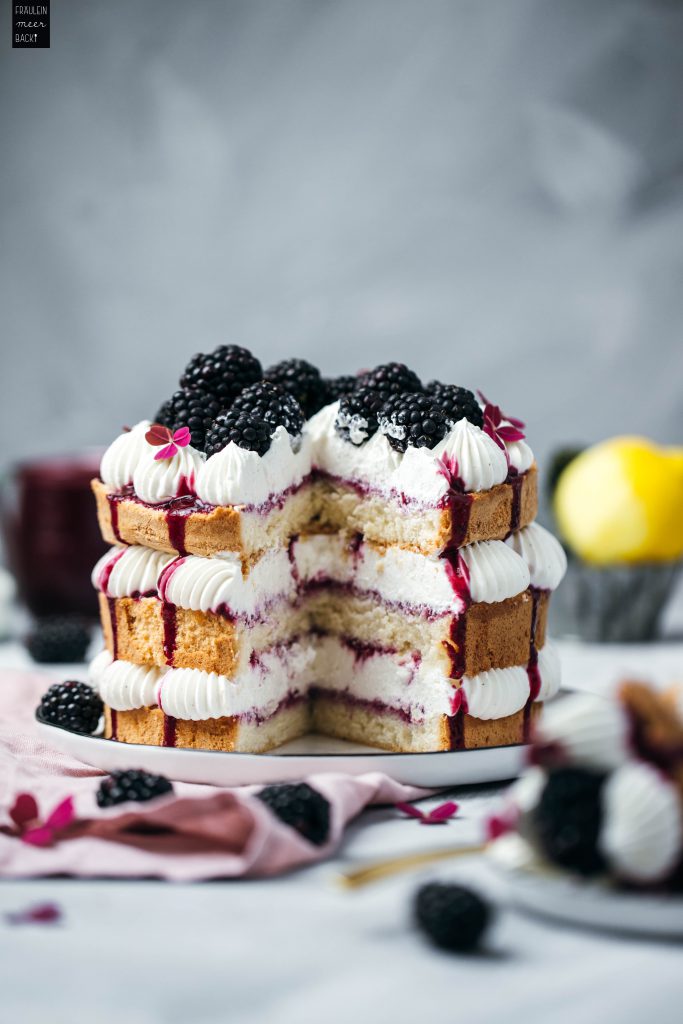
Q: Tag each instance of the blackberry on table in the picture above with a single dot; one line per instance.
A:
(302, 381)
(338, 386)
(131, 785)
(412, 420)
(222, 373)
(271, 403)
(193, 409)
(392, 379)
(246, 431)
(455, 403)
(301, 807)
(568, 817)
(58, 640)
(356, 420)
(72, 705)
(453, 916)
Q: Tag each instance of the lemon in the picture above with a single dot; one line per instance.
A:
(622, 501)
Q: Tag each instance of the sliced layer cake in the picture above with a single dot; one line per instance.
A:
(375, 572)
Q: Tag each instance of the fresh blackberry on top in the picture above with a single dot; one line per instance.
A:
(192, 409)
(302, 381)
(222, 373)
(272, 404)
(249, 432)
(338, 386)
(356, 420)
(391, 379)
(131, 785)
(58, 640)
(301, 807)
(73, 705)
(456, 403)
(568, 818)
(412, 420)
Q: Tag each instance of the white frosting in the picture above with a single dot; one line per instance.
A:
(124, 686)
(493, 574)
(207, 584)
(121, 457)
(417, 474)
(400, 576)
(520, 455)
(497, 693)
(543, 554)
(481, 463)
(190, 694)
(156, 481)
(593, 733)
(549, 672)
(135, 571)
(235, 476)
(642, 831)
(418, 689)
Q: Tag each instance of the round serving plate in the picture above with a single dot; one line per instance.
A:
(540, 889)
(307, 756)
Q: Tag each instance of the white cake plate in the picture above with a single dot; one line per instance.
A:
(307, 756)
(541, 890)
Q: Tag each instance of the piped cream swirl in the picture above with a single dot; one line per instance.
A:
(121, 457)
(543, 555)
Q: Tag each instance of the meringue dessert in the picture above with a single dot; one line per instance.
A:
(604, 797)
(356, 557)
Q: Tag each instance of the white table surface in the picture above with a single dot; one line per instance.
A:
(300, 948)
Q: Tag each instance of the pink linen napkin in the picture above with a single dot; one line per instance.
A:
(199, 832)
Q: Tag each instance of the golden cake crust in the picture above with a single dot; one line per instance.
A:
(221, 528)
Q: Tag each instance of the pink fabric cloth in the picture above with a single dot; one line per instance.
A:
(200, 832)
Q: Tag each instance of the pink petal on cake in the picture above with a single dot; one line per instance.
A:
(25, 809)
(157, 434)
(62, 815)
(166, 453)
(182, 437)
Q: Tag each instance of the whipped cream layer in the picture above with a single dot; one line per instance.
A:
(276, 675)
(543, 555)
(490, 572)
(216, 584)
(466, 455)
(418, 689)
(232, 476)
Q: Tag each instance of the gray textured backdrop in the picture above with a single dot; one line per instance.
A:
(491, 191)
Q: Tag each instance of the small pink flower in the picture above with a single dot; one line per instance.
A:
(499, 427)
(500, 824)
(31, 829)
(158, 435)
(438, 816)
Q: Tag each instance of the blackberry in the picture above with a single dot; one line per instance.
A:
(193, 409)
(222, 373)
(302, 808)
(567, 820)
(271, 403)
(302, 381)
(338, 386)
(58, 640)
(246, 431)
(356, 420)
(412, 419)
(132, 785)
(455, 403)
(453, 916)
(73, 705)
(392, 379)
